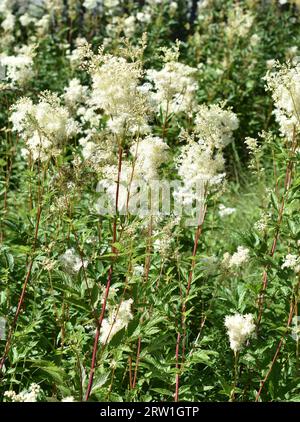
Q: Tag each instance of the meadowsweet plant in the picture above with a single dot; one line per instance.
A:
(149, 217)
(239, 328)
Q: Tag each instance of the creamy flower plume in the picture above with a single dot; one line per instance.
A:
(241, 256)
(174, 87)
(30, 395)
(45, 125)
(239, 328)
(115, 90)
(149, 154)
(284, 83)
(119, 317)
(72, 262)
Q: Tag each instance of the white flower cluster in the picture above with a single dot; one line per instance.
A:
(201, 161)
(30, 395)
(239, 328)
(296, 2)
(225, 211)
(18, 67)
(26, 19)
(72, 262)
(75, 55)
(163, 244)
(263, 222)
(285, 87)
(149, 154)
(241, 256)
(174, 87)
(115, 90)
(239, 22)
(215, 125)
(292, 262)
(89, 149)
(91, 4)
(251, 144)
(8, 23)
(118, 318)
(197, 166)
(45, 125)
(75, 92)
(68, 399)
(98, 153)
(138, 270)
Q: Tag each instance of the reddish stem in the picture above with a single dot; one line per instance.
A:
(176, 395)
(97, 335)
(137, 362)
(183, 310)
(287, 184)
(22, 296)
(130, 371)
(190, 278)
(110, 272)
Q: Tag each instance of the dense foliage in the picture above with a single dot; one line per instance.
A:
(100, 98)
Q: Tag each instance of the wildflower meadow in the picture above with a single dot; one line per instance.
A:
(150, 196)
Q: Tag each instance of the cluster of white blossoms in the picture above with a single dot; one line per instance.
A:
(34, 13)
(91, 4)
(26, 19)
(119, 24)
(225, 211)
(118, 318)
(45, 125)
(98, 153)
(262, 224)
(296, 2)
(68, 399)
(197, 167)
(9, 20)
(30, 395)
(149, 154)
(241, 256)
(284, 83)
(18, 68)
(239, 22)
(75, 92)
(173, 87)
(94, 4)
(201, 162)
(215, 125)
(239, 328)
(135, 21)
(292, 262)
(138, 270)
(75, 55)
(251, 144)
(72, 262)
(115, 90)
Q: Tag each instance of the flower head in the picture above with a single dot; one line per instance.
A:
(239, 328)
